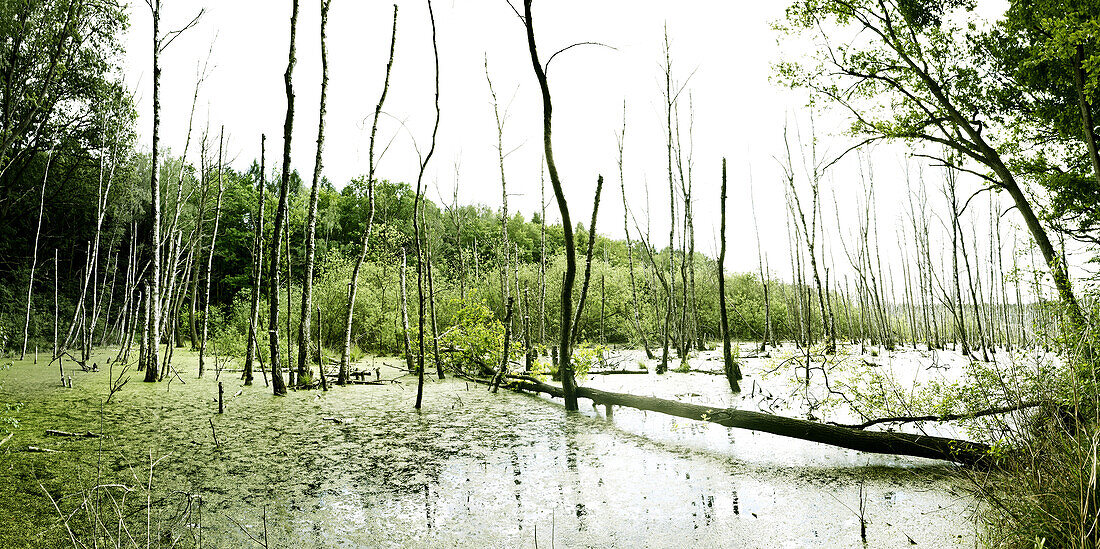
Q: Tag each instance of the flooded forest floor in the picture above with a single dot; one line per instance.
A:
(358, 466)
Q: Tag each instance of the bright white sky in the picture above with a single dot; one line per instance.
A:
(739, 113)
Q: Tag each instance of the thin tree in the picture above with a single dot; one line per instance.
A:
(34, 257)
(210, 255)
(345, 356)
(733, 371)
(588, 260)
(416, 224)
(565, 352)
(257, 269)
(311, 217)
(636, 316)
(153, 293)
(277, 384)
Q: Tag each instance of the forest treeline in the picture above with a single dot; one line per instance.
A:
(76, 217)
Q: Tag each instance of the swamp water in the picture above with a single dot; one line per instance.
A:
(472, 469)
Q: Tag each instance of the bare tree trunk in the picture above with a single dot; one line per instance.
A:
(277, 384)
(34, 257)
(588, 260)
(957, 305)
(55, 305)
(417, 237)
(733, 371)
(151, 363)
(503, 368)
(405, 315)
(565, 351)
(435, 323)
(636, 316)
(210, 256)
(345, 356)
(257, 269)
(670, 102)
(192, 322)
(760, 259)
(311, 218)
(504, 247)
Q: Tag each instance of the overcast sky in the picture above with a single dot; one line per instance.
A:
(727, 48)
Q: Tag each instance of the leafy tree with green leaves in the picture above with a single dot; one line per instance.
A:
(908, 70)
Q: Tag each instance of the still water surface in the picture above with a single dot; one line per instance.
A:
(474, 469)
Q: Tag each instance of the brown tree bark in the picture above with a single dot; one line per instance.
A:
(277, 384)
(733, 371)
(565, 351)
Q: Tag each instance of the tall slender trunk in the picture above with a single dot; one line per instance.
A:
(345, 356)
(565, 351)
(277, 384)
(636, 318)
(150, 362)
(435, 322)
(417, 237)
(588, 260)
(733, 371)
(257, 269)
(409, 362)
(34, 257)
(210, 256)
(311, 218)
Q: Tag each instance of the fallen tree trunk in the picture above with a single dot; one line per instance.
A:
(879, 442)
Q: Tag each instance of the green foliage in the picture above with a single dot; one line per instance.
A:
(584, 357)
(475, 343)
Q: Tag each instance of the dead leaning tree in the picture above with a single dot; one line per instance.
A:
(345, 356)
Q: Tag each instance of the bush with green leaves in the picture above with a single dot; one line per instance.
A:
(474, 344)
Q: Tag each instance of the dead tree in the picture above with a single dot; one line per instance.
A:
(210, 255)
(253, 348)
(733, 371)
(150, 362)
(345, 356)
(588, 260)
(500, 118)
(809, 231)
(851, 437)
(34, 257)
(635, 318)
(565, 356)
(277, 384)
(311, 218)
(761, 260)
(416, 224)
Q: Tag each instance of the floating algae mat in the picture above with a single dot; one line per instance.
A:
(357, 466)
